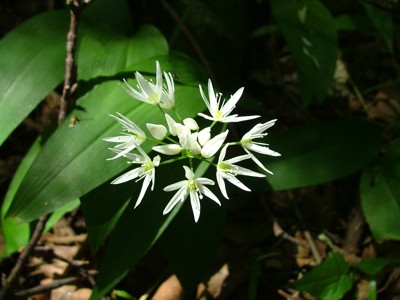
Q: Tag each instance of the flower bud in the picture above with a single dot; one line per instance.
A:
(157, 131)
(171, 149)
(191, 123)
(204, 136)
(213, 145)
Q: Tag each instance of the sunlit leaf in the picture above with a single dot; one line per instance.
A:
(17, 235)
(73, 160)
(28, 76)
(329, 281)
(310, 32)
(380, 195)
(321, 152)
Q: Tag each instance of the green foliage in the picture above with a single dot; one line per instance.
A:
(329, 280)
(20, 90)
(310, 32)
(380, 194)
(71, 163)
(323, 152)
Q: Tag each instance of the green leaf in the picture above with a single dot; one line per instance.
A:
(197, 242)
(322, 152)
(106, 52)
(310, 32)
(73, 160)
(330, 280)
(372, 266)
(383, 22)
(138, 230)
(380, 195)
(32, 64)
(17, 235)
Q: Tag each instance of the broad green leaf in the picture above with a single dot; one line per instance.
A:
(310, 32)
(32, 64)
(106, 53)
(372, 266)
(321, 152)
(17, 235)
(138, 229)
(380, 195)
(383, 22)
(330, 280)
(100, 221)
(186, 243)
(73, 161)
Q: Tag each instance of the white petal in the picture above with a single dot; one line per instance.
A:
(124, 152)
(191, 123)
(188, 173)
(204, 98)
(176, 186)
(235, 118)
(238, 183)
(221, 184)
(206, 117)
(230, 104)
(213, 98)
(134, 93)
(246, 172)
(204, 136)
(128, 176)
(145, 185)
(171, 124)
(195, 202)
(179, 196)
(170, 149)
(209, 194)
(118, 139)
(213, 145)
(261, 149)
(157, 131)
(259, 163)
(206, 181)
(237, 158)
(159, 78)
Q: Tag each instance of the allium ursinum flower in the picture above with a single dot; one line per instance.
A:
(219, 109)
(146, 171)
(151, 93)
(226, 169)
(195, 188)
(128, 141)
(248, 144)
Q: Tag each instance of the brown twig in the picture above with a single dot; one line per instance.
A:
(55, 284)
(354, 231)
(70, 78)
(9, 283)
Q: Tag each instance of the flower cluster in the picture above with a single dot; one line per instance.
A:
(184, 139)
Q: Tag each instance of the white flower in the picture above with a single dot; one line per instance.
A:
(255, 133)
(157, 131)
(213, 145)
(128, 141)
(219, 109)
(193, 186)
(151, 93)
(226, 169)
(146, 171)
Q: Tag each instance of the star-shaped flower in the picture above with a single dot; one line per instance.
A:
(219, 109)
(151, 93)
(195, 188)
(226, 169)
(128, 141)
(146, 171)
(248, 145)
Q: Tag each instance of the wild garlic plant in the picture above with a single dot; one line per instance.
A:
(183, 139)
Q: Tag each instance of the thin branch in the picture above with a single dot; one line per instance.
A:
(70, 78)
(9, 283)
(55, 284)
